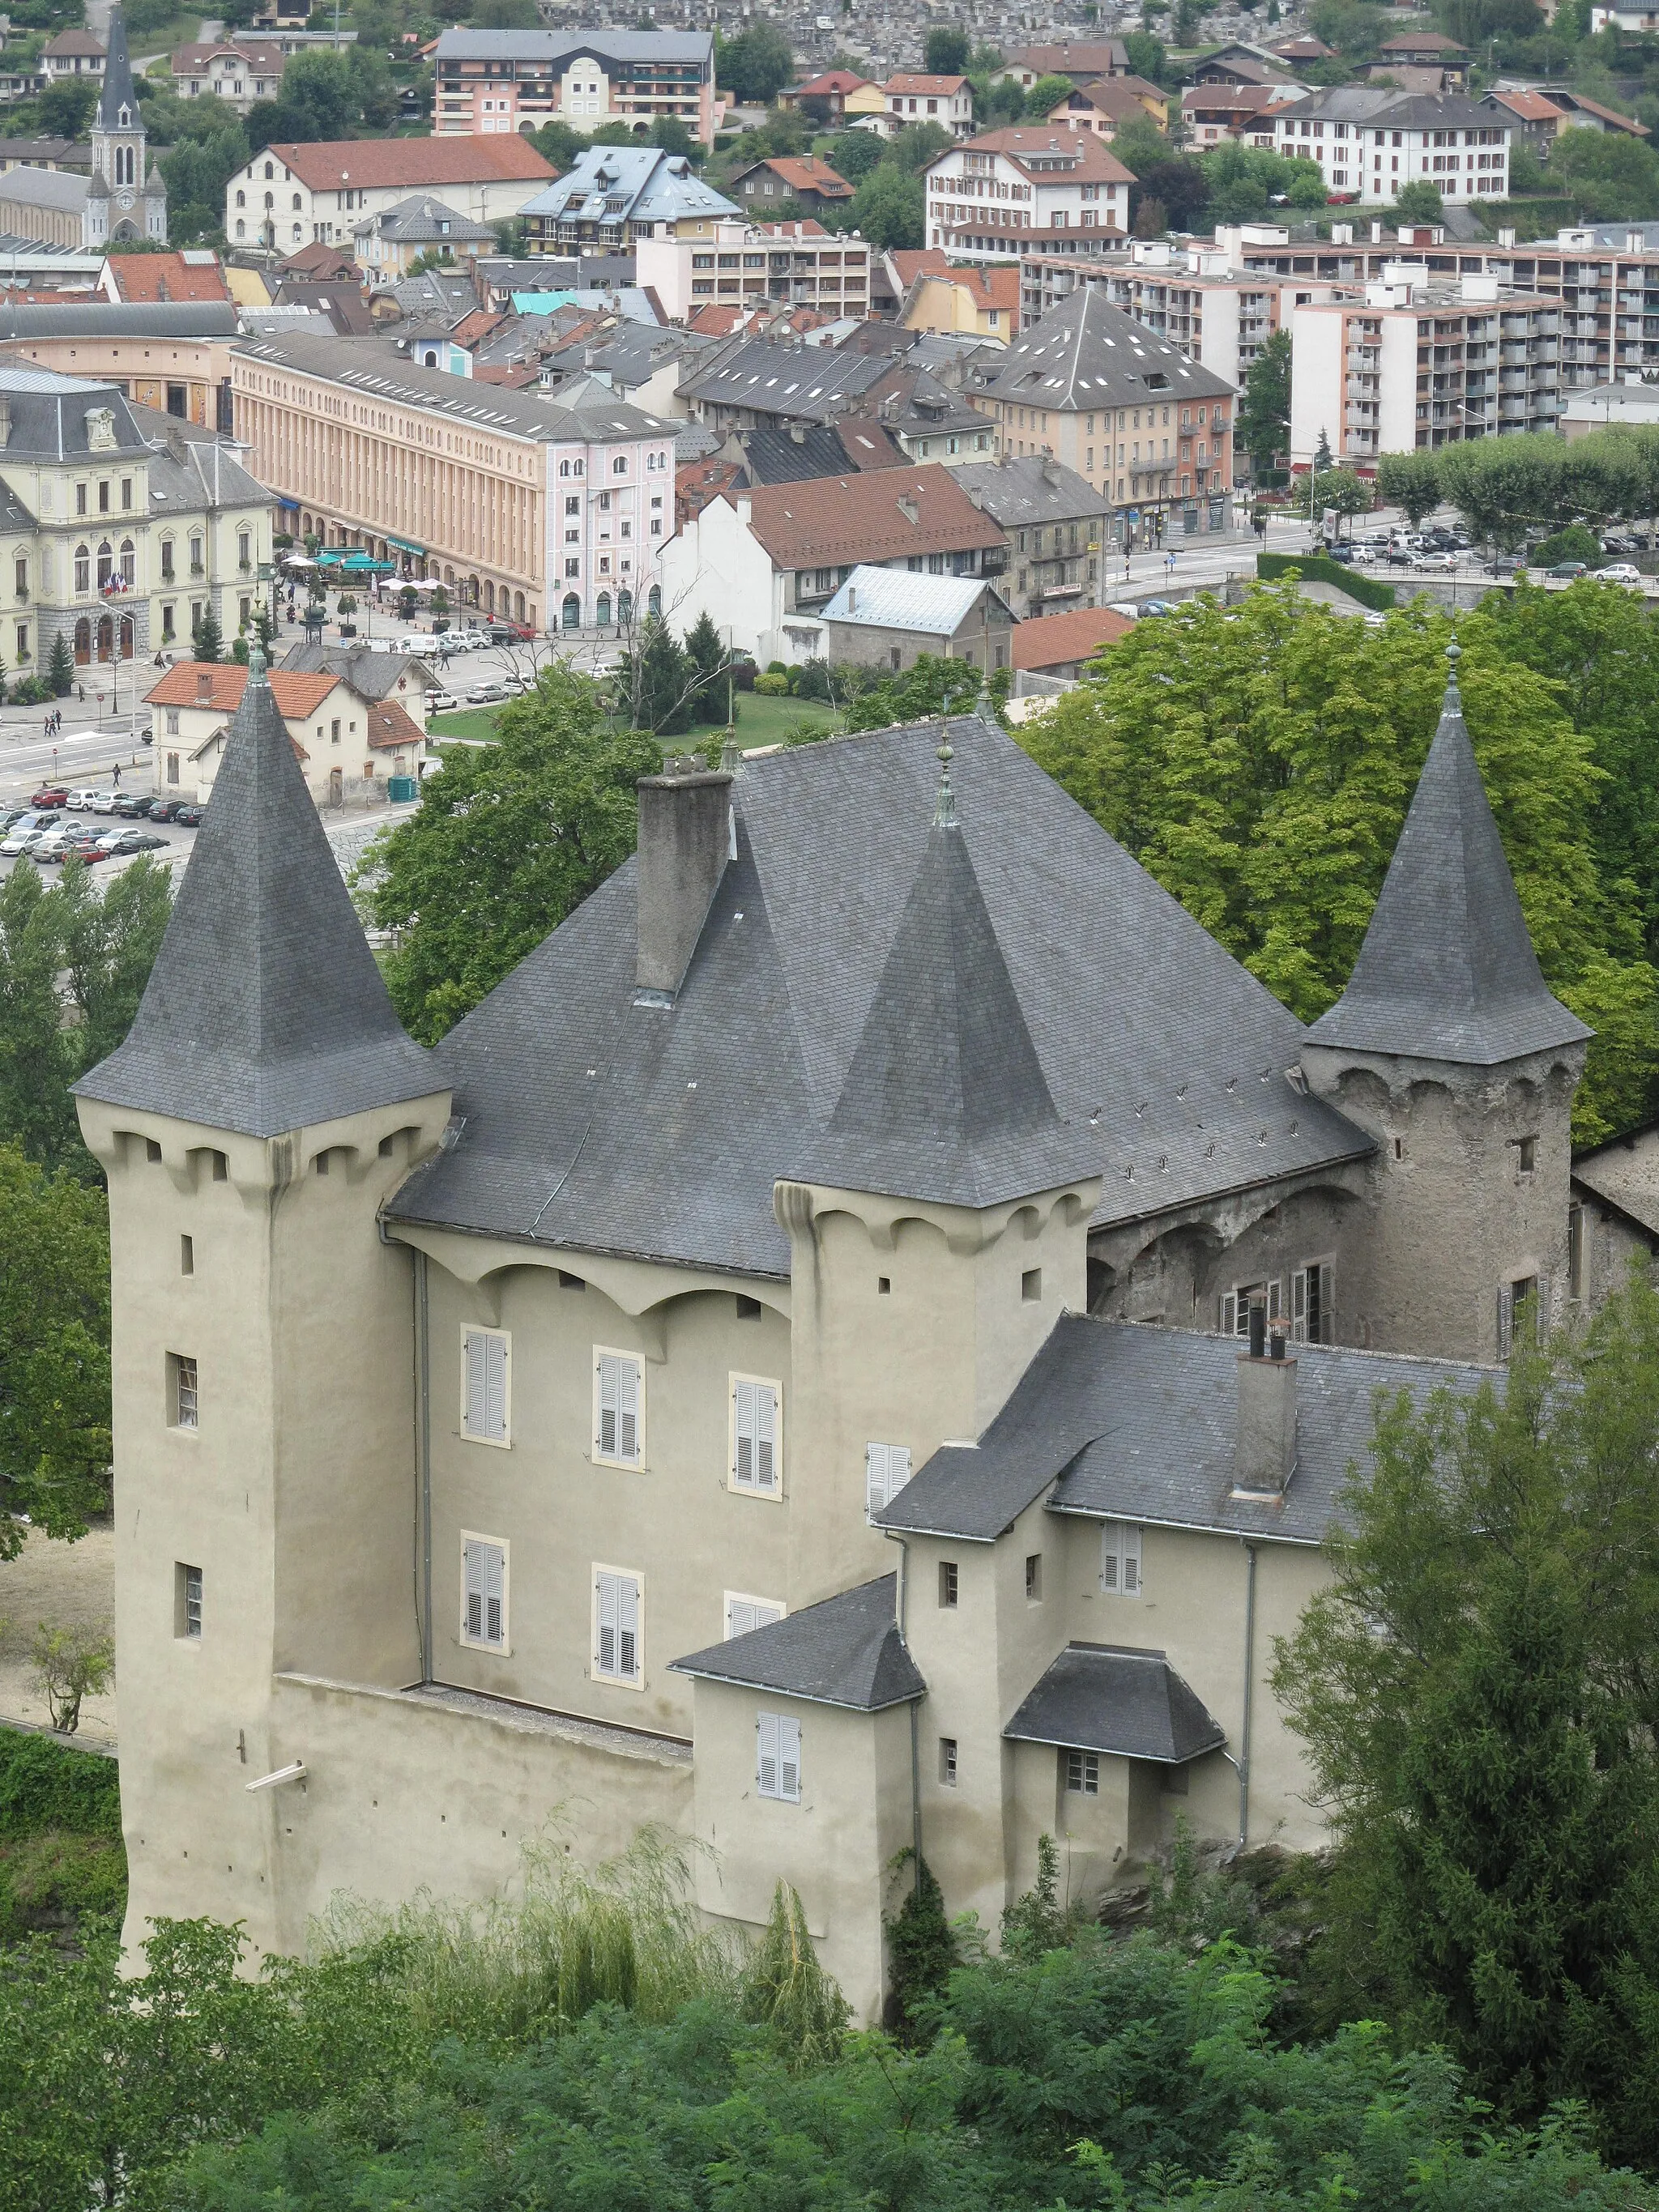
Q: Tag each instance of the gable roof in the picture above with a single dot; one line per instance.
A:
(166, 276)
(1421, 42)
(919, 83)
(899, 598)
(840, 521)
(298, 692)
(1019, 489)
(1625, 1172)
(1115, 96)
(1446, 970)
(381, 164)
(845, 1651)
(1132, 1421)
(771, 455)
(833, 81)
(390, 726)
(1087, 353)
(1032, 146)
(583, 1108)
(264, 1011)
(1104, 57)
(74, 40)
(1057, 641)
(802, 172)
(1108, 1696)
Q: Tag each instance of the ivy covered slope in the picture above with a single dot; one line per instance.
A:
(1259, 761)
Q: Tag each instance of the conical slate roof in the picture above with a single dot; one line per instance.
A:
(117, 91)
(946, 1097)
(265, 1011)
(1446, 970)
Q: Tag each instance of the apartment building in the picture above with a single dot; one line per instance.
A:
(1368, 141)
(741, 264)
(1414, 365)
(238, 71)
(986, 198)
(1247, 112)
(613, 196)
(913, 97)
(540, 510)
(501, 83)
(290, 195)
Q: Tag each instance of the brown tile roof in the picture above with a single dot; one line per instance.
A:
(321, 261)
(715, 319)
(832, 81)
(144, 276)
(382, 164)
(75, 41)
(1421, 42)
(517, 375)
(1108, 95)
(1611, 115)
(1229, 99)
(807, 173)
(1099, 57)
(296, 692)
(835, 520)
(389, 725)
(910, 262)
(478, 323)
(936, 87)
(1096, 163)
(1057, 641)
(1530, 106)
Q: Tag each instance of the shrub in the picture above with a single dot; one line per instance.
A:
(32, 691)
(771, 687)
(69, 1664)
(1314, 568)
(1575, 542)
(47, 1785)
(53, 1877)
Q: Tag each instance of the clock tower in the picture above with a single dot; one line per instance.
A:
(123, 202)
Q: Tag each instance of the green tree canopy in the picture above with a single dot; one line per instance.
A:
(945, 53)
(1476, 1693)
(506, 840)
(1419, 201)
(1608, 176)
(1259, 761)
(1411, 481)
(888, 208)
(1264, 420)
(756, 64)
(1048, 94)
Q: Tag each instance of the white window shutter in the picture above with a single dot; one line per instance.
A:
(629, 1409)
(476, 1346)
(766, 1432)
(605, 1656)
(495, 1379)
(1108, 1550)
(474, 1597)
(766, 1763)
(1326, 1302)
(1131, 1562)
(789, 1760)
(875, 1477)
(743, 1432)
(628, 1626)
(605, 1442)
(898, 1469)
(1299, 1306)
(493, 1593)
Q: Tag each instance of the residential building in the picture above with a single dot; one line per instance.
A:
(74, 53)
(759, 383)
(1116, 404)
(1108, 102)
(44, 154)
(763, 564)
(1425, 50)
(1212, 112)
(1240, 63)
(236, 71)
(615, 196)
(824, 97)
(1533, 117)
(385, 244)
(538, 510)
(887, 618)
(501, 83)
(1061, 647)
(1369, 141)
(1078, 59)
(756, 1226)
(796, 455)
(192, 277)
(1634, 404)
(809, 182)
(1422, 365)
(125, 197)
(986, 198)
(981, 299)
(1543, 114)
(316, 195)
(116, 532)
(1057, 526)
(913, 97)
(864, 107)
(395, 679)
(347, 745)
(742, 264)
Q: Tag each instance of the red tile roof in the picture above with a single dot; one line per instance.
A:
(836, 519)
(151, 276)
(389, 727)
(1530, 106)
(715, 319)
(296, 692)
(327, 262)
(807, 173)
(382, 164)
(1109, 95)
(1096, 163)
(1057, 640)
(909, 262)
(936, 87)
(832, 82)
(1611, 115)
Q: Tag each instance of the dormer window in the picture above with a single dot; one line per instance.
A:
(125, 118)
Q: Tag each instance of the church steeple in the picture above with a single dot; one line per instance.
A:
(122, 202)
(264, 1011)
(1448, 970)
(117, 106)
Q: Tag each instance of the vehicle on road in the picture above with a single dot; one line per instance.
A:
(486, 695)
(441, 702)
(1572, 570)
(1443, 563)
(1619, 572)
(1506, 564)
(51, 798)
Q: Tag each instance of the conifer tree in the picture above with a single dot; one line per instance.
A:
(60, 667)
(206, 640)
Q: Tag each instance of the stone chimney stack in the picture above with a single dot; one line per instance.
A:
(1265, 1444)
(685, 840)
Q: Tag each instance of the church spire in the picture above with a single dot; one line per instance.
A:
(264, 1011)
(118, 107)
(1448, 970)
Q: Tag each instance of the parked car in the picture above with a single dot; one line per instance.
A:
(1347, 555)
(81, 798)
(102, 802)
(23, 839)
(164, 810)
(441, 702)
(1619, 571)
(130, 805)
(508, 632)
(485, 695)
(189, 818)
(1400, 556)
(1443, 562)
(50, 798)
(1505, 564)
(1570, 569)
(133, 841)
(1615, 544)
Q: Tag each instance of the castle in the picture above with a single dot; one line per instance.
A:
(125, 199)
(855, 1343)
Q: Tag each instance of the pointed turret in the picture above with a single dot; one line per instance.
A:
(1446, 971)
(265, 1011)
(946, 1098)
(118, 107)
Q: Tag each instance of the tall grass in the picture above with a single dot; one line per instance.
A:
(626, 1932)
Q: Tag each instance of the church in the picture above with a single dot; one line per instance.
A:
(855, 1345)
(127, 200)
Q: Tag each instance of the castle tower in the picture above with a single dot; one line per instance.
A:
(123, 202)
(1449, 1047)
(264, 1105)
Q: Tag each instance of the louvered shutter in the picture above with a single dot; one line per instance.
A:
(789, 1759)
(628, 1409)
(485, 1578)
(1131, 1562)
(494, 1593)
(754, 1427)
(875, 1477)
(604, 1657)
(605, 1442)
(746, 1613)
(628, 1627)
(1299, 1306)
(496, 1389)
(766, 1431)
(743, 1428)
(1108, 1549)
(1229, 1313)
(766, 1758)
(474, 1591)
(475, 1342)
(1505, 1318)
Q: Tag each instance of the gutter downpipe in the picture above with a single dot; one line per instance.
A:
(1242, 1764)
(915, 1718)
(423, 1451)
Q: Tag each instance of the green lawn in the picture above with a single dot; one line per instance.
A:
(760, 722)
(471, 722)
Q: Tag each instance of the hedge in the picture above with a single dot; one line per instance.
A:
(1314, 568)
(44, 1785)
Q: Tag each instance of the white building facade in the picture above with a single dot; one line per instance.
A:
(1368, 143)
(1005, 184)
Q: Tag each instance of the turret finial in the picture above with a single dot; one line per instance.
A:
(256, 663)
(944, 810)
(1454, 701)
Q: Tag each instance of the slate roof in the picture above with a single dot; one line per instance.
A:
(201, 477)
(1625, 1173)
(371, 675)
(117, 91)
(801, 381)
(557, 46)
(845, 1651)
(1087, 353)
(583, 1108)
(421, 218)
(899, 598)
(63, 191)
(264, 1011)
(1128, 1421)
(1407, 111)
(1108, 1696)
(124, 319)
(770, 455)
(625, 183)
(1018, 490)
(1446, 970)
(48, 414)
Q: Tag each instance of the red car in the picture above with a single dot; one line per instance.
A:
(50, 797)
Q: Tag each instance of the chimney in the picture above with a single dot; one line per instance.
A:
(852, 600)
(685, 841)
(1264, 1452)
(204, 685)
(908, 509)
